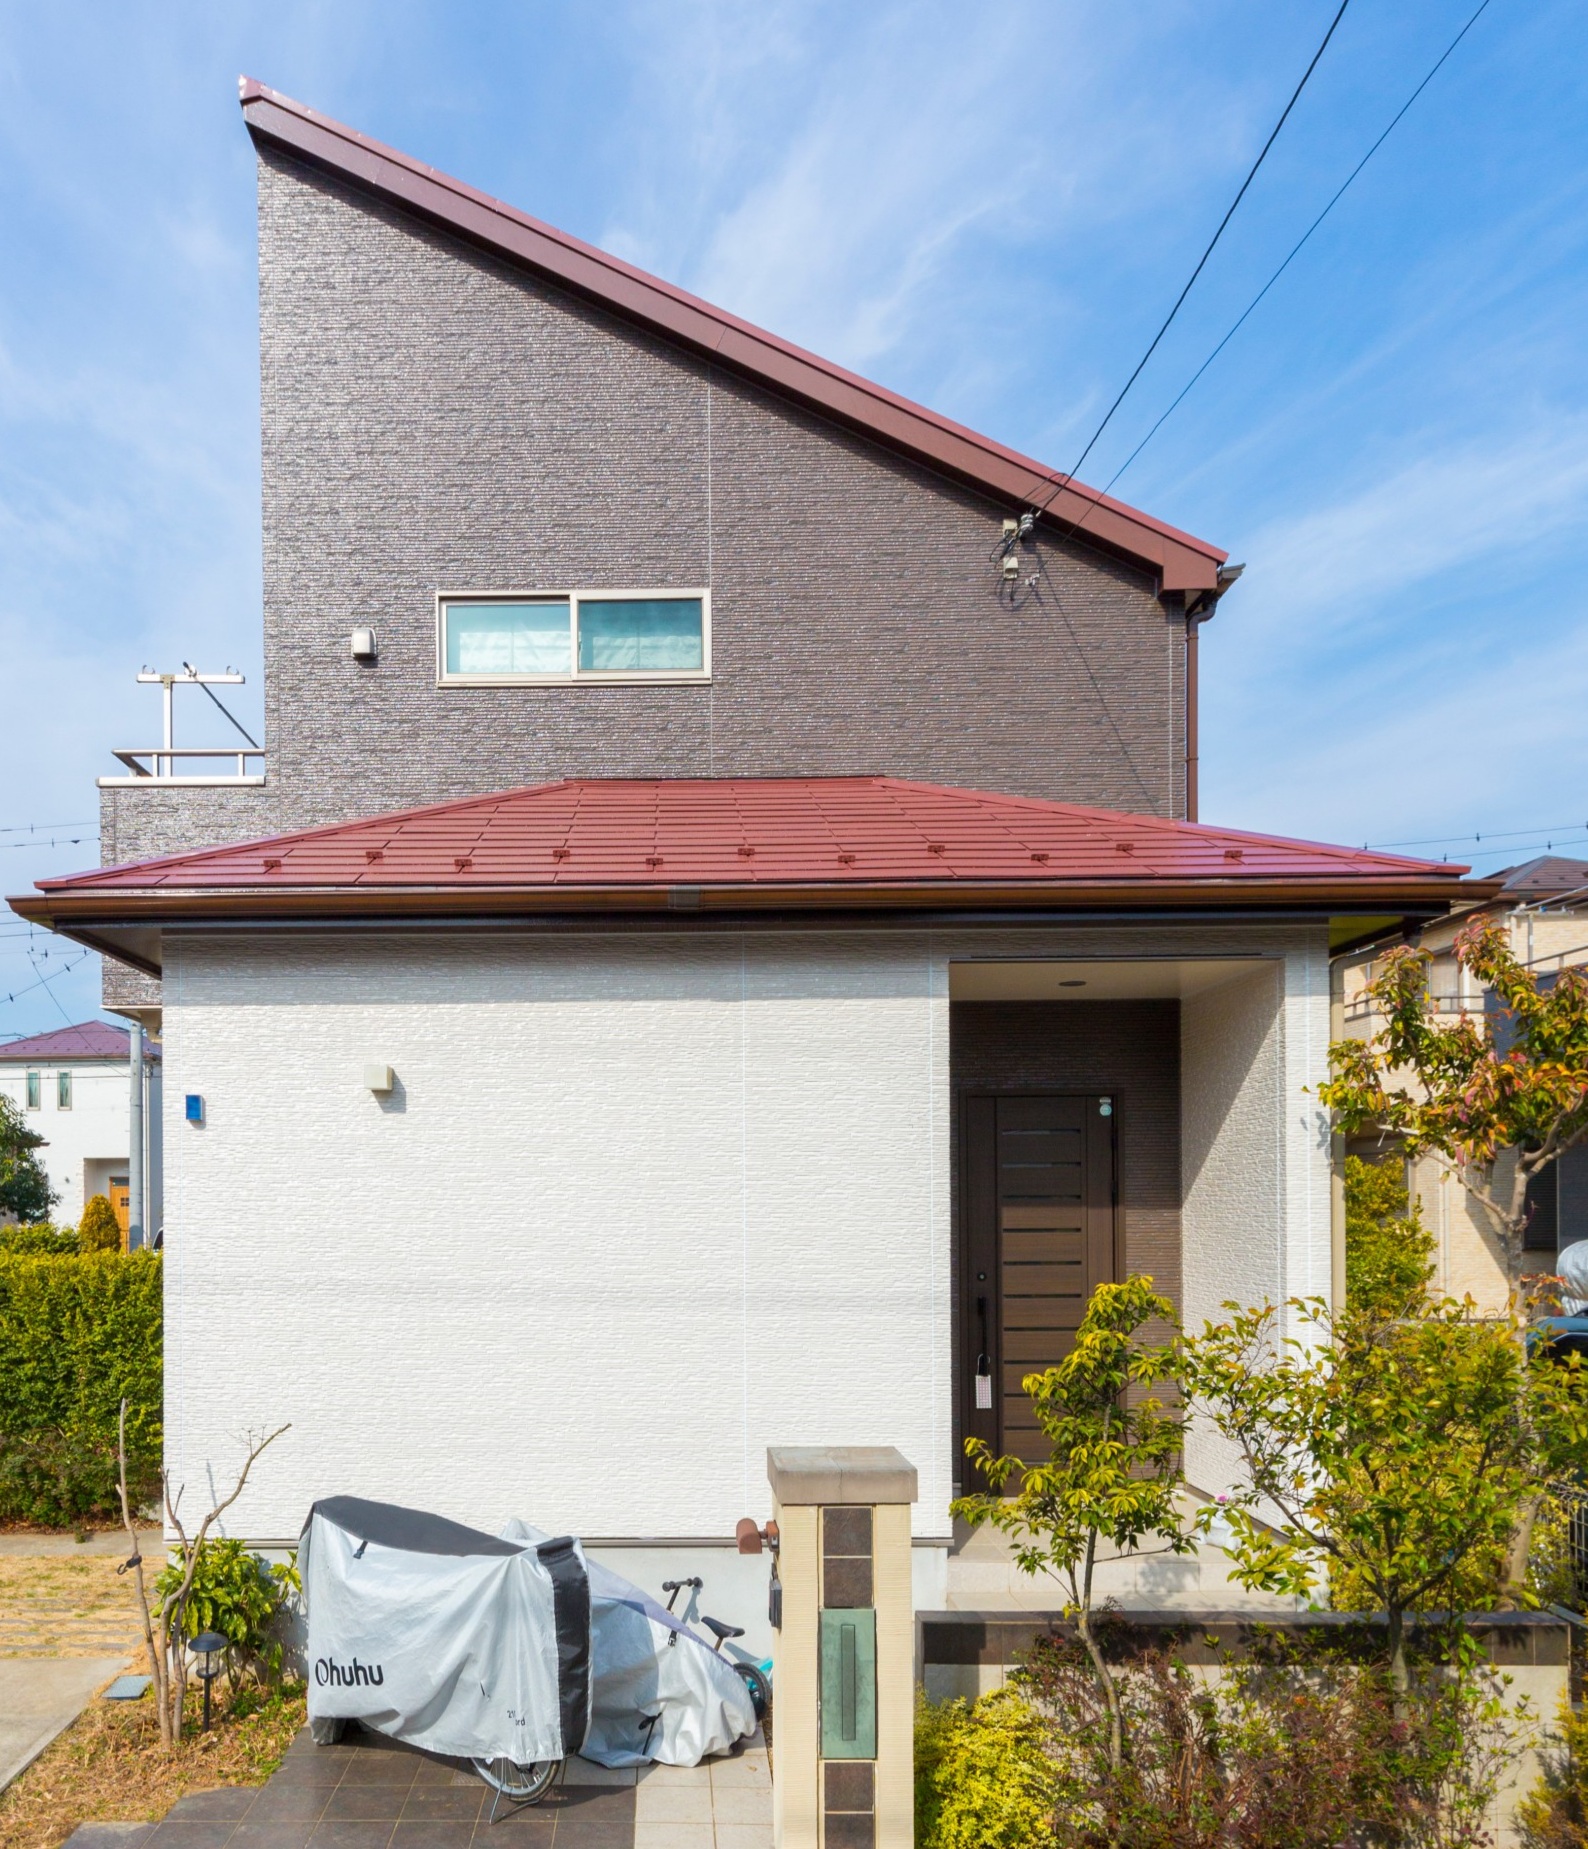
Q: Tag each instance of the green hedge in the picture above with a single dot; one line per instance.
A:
(77, 1333)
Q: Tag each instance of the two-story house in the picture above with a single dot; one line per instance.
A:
(722, 953)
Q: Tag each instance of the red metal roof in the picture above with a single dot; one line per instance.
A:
(792, 834)
(88, 1040)
(1182, 562)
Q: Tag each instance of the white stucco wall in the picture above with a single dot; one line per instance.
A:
(1255, 1220)
(641, 1208)
(89, 1141)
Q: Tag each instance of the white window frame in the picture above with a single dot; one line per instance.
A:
(575, 677)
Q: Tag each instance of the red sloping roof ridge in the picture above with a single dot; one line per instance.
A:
(1182, 562)
(748, 832)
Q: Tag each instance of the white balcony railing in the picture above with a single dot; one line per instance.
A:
(159, 764)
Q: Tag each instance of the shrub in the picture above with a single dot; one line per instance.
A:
(241, 1596)
(99, 1230)
(1295, 1747)
(40, 1239)
(1388, 1251)
(24, 1186)
(77, 1334)
(983, 1776)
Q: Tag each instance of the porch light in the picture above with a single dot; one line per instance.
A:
(207, 1647)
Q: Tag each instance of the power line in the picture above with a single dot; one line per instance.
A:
(54, 973)
(29, 828)
(1201, 261)
(1296, 249)
(1494, 834)
(53, 841)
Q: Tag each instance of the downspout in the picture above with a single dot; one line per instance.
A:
(1193, 614)
(1197, 612)
(135, 1183)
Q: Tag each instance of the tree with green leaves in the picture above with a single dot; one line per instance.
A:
(25, 1189)
(1395, 1457)
(1113, 1464)
(1494, 1114)
(1388, 1251)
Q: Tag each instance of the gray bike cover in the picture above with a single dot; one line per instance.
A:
(442, 1636)
(659, 1693)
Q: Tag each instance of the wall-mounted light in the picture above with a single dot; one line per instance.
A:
(380, 1079)
(363, 644)
(193, 1108)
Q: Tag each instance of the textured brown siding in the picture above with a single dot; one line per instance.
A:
(1129, 1050)
(433, 419)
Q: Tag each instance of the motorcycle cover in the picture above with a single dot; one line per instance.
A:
(658, 1693)
(442, 1636)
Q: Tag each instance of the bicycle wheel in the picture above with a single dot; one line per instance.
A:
(523, 1784)
(760, 1689)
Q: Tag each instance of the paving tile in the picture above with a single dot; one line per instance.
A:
(283, 1835)
(351, 1835)
(742, 1806)
(603, 1800)
(381, 1769)
(591, 1831)
(442, 1833)
(300, 1769)
(108, 1836)
(365, 1803)
(288, 1803)
(587, 1772)
(201, 1833)
(668, 1835)
(426, 1802)
(744, 1835)
(655, 1803)
(429, 1771)
(223, 1801)
(528, 1829)
(750, 1771)
(675, 1775)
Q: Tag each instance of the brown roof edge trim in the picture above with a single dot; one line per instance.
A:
(1181, 561)
(110, 908)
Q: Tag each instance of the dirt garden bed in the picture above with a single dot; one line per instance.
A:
(108, 1767)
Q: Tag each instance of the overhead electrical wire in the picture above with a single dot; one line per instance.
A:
(1494, 834)
(1179, 302)
(1296, 248)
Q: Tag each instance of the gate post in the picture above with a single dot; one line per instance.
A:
(844, 1653)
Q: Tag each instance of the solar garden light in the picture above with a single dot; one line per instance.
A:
(207, 1647)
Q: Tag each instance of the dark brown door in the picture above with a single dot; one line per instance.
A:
(1039, 1222)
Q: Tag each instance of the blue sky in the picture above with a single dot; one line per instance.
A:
(989, 208)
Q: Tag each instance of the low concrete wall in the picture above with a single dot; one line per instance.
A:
(965, 1654)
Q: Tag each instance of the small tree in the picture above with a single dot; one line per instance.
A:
(164, 1624)
(25, 1189)
(99, 1230)
(1113, 1466)
(1396, 1457)
(1493, 1118)
(1388, 1250)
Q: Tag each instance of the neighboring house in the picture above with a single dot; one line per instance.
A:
(73, 1086)
(1543, 907)
(718, 958)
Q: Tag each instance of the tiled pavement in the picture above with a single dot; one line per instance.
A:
(375, 1794)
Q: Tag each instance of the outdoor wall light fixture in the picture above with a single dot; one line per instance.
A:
(207, 1647)
(380, 1079)
(193, 1108)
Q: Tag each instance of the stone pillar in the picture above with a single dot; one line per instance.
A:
(844, 1654)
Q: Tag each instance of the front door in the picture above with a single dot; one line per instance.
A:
(121, 1201)
(1039, 1239)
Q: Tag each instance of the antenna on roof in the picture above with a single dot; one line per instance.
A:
(189, 677)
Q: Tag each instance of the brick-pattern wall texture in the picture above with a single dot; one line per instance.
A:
(434, 419)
